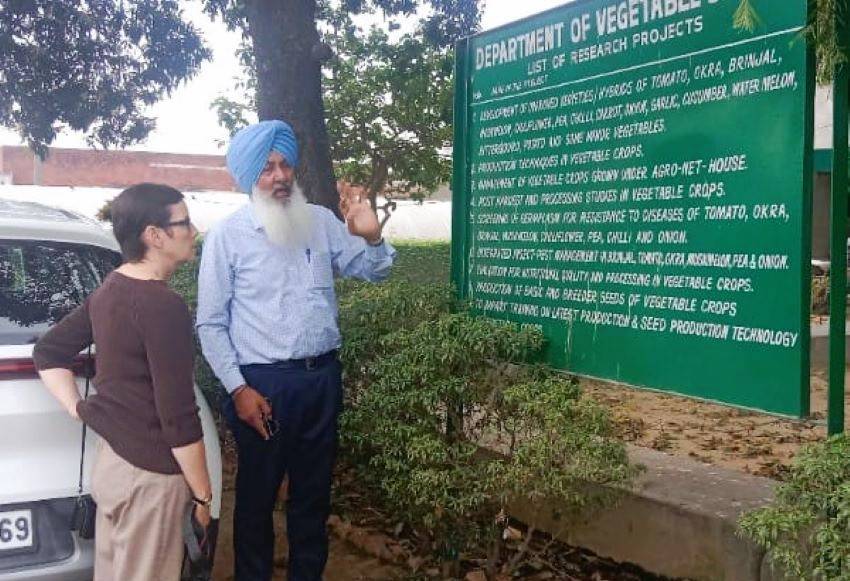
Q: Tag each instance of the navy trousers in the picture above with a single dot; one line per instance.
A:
(306, 399)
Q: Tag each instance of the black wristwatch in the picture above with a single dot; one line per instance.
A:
(206, 502)
(378, 243)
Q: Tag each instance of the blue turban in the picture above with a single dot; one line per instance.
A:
(250, 148)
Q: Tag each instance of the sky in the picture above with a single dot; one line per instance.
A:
(185, 122)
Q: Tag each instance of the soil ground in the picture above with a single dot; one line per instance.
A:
(345, 562)
(355, 545)
(742, 440)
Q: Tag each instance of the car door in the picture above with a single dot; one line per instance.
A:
(40, 451)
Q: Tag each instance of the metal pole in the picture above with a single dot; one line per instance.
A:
(838, 234)
(460, 171)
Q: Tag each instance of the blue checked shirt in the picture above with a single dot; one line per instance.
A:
(261, 303)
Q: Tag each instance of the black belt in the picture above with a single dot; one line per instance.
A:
(308, 363)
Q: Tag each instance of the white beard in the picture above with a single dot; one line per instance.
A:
(288, 223)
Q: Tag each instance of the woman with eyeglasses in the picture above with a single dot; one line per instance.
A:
(151, 462)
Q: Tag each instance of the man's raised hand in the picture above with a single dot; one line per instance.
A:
(359, 215)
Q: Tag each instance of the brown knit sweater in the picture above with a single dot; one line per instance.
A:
(145, 404)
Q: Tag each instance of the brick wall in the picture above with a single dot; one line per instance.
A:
(17, 162)
(116, 169)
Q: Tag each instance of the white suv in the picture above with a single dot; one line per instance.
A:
(50, 260)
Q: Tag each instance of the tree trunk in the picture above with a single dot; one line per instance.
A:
(289, 86)
(377, 182)
(379, 177)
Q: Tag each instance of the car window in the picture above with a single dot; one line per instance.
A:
(41, 282)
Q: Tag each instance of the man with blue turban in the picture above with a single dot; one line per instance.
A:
(267, 320)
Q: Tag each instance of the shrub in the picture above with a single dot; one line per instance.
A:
(807, 528)
(104, 213)
(370, 312)
(185, 282)
(448, 424)
(820, 295)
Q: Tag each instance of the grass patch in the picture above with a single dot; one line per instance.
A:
(422, 262)
(417, 263)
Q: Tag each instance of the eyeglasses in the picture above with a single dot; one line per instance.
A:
(185, 222)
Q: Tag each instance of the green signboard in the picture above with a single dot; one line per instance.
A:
(633, 177)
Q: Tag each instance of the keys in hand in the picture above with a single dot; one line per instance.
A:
(255, 410)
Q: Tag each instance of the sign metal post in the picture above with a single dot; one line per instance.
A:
(838, 234)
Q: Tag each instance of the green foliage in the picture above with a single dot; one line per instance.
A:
(104, 214)
(398, 427)
(745, 17)
(417, 291)
(830, 52)
(443, 23)
(559, 443)
(387, 96)
(807, 528)
(91, 66)
(447, 424)
(820, 295)
(371, 312)
(185, 282)
(422, 262)
(232, 115)
(389, 109)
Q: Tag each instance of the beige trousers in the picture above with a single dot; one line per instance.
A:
(138, 531)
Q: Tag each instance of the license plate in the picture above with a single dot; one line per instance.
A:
(16, 530)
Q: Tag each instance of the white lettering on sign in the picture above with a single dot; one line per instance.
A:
(535, 42)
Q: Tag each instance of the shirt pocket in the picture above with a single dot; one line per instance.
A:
(322, 274)
(261, 276)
